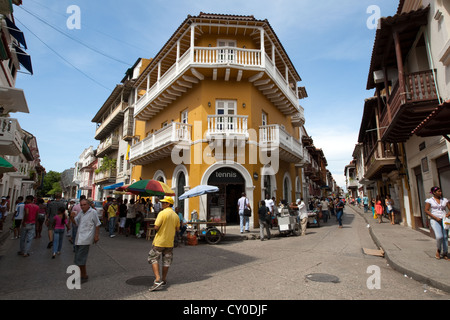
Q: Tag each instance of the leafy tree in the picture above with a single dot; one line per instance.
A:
(51, 184)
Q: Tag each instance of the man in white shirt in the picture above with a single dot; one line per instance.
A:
(325, 212)
(243, 220)
(303, 215)
(88, 233)
(18, 216)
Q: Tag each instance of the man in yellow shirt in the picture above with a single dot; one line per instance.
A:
(112, 215)
(166, 225)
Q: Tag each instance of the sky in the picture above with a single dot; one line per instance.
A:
(76, 67)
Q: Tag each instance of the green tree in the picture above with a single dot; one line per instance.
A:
(51, 184)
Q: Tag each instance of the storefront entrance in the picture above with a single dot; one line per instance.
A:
(231, 184)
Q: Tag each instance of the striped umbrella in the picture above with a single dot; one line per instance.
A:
(150, 187)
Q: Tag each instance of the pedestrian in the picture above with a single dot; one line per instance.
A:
(340, 212)
(167, 224)
(18, 216)
(28, 227)
(157, 207)
(88, 233)
(183, 225)
(365, 201)
(112, 216)
(244, 221)
(302, 215)
(3, 212)
(379, 209)
(435, 209)
(130, 221)
(264, 220)
(41, 216)
(270, 204)
(325, 211)
(60, 222)
(52, 211)
(122, 215)
(390, 208)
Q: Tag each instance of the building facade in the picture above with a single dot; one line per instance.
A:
(219, 105)
(403, 138)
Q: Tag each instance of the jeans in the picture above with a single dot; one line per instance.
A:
(112, 225)
(325, 215)
(339, 216)
(366, 208)
(441, 236)
(264, 224)
(243, 220)
(27, 233)
(58, 237)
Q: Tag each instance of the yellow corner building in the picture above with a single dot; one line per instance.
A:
(219, 105)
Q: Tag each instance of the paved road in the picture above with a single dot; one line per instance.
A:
(327, 263)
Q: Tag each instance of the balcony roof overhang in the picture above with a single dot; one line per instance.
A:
(368, 114)
(13, 100)
(407, 25)
(119, 91)
(437, 123)
(217, 21)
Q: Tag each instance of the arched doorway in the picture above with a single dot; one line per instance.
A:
(223, 204)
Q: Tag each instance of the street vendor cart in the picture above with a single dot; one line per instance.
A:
(288, 222)
(313, 218)
(208, 230)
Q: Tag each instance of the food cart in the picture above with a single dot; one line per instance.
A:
(313, 218)
(288, 222)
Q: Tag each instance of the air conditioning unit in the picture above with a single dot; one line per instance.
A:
(378, 76)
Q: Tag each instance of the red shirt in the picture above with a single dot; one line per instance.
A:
(32, 213)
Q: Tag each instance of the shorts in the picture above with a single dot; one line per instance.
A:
(155, 254)
(17, 223)
(81, 254)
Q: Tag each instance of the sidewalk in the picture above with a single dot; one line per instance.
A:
(408, 251)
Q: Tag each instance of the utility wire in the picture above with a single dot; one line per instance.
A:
(90, 27)
(75, 39)
(79, 70)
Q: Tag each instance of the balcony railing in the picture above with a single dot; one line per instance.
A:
(413, 105)
(110, 144)
(274, 136)
(105, 175)
(202, 57)
(380, 155)
(227, 125)
(10, 137)
(111, 122)
(160, 144)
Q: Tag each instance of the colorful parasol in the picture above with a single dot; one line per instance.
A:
(150, 187)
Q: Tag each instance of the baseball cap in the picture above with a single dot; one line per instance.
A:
(167, 199)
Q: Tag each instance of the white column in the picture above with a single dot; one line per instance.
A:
(263, 49)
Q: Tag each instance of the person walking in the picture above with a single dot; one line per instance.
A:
(41, 217)
(167, 224)
(365, 201)
(131, 218)
(60, 223)
(88, 233)
(340, 212)
(28, 228)
(52, 211)
(379, 210)
(18, 216)
(112, 215)
(390, 208)
(302, 215)
(435, 209)
(244, 221)
(264, 220)
(325, 209)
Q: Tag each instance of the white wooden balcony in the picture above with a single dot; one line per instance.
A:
(105, 176)
(112, 121)
(11, 140)
(275, 138)
(160, 144)
(23, 170)
(174, 82)
(108, 145)
(227, 127)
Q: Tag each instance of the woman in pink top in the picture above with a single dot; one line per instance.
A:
(60, 223)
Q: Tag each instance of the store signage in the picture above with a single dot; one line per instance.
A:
(225, 175)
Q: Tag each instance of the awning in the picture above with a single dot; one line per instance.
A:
(437, 123)
(13, 100)
(5, 166)
(114, 186)
(24, 59)
(16, 32)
